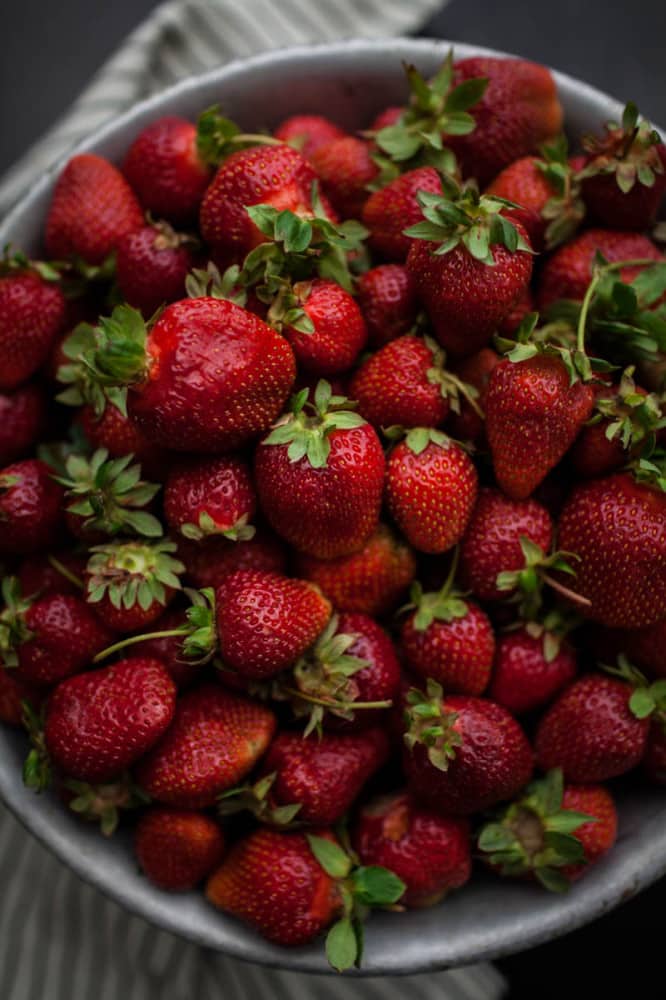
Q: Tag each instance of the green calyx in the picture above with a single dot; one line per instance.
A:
(103, 803)
(535, 834)
(104, 360)
(463, 217)
(633, 417)
(627, 150)
(436, 108)
(650, 468)
(256, 798)
(443, 605)
(557, 338)
(16, 262)
(241, 531)
(133, 573)
(307, 427)
(565, 211)
(37, 765)
(525, 585)
(647, 699)
(218, 137)
(552, 627)
(417, 439)
(429, 723)
(109, 494)
(361, 888)
(13, 629)
(450, 386)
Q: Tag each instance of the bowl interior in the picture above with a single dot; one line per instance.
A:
(350, 82)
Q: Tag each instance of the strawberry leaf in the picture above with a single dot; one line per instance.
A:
(342, 946)
(377, 886)
(330, 856)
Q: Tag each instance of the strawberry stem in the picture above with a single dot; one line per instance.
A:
(67, 573)
(565, 591)
(332, 703)
(132, 639)
(591, 289)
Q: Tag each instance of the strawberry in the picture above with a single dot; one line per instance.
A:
(624, 176)
(209, 564)
(591, 732)
(307, 133)
(92, 208)
(113, 430)
(567, 273)
(99, 722)
(617, 528)
(405, 383)
(311, 781)
(517, 111)
(392, 209)
(462, 754)
(58, 573)
(512, 322)
(345, 168)
(129, 584)
(256, 883)
(215, 739)
(533, 415)
(531, 667)
(387, 299)
(492, 542)
(338, 333)
(30, 502)
(275, 175)
(553, 832)
(319, 478)
(210, 496)
(50, 638)
(466, 242)
(431, 489)
(22, 419)
(370, 581)
(475, 371)
(151, 266)
(429, 852)
(265, 622)
(448, 639)
(177, 848)
(389, 116)
(244, 372)
(347, 678)
(32, 314)
(167, 171)
(14, 691)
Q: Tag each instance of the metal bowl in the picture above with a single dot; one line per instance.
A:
(349, 81)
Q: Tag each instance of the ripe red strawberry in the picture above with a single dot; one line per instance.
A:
(39, 576)
(50, 638)
(370, 581)
(474, 371)
(22, 419)
(531, 667)
(210, 496)
(617, 527)
(553, 832)
(429, 852)
(266, 621)
(591, 732)
(512, 321)
(30, 507)
(517, 112)
(405, 384)
(533, 415)
(32, 314)
(210, 564)
(319, 478)
(100, 722)
(272, 175)
(215, 739)
(567, 273)
(177, 848)
(116, 432)
(167, 171)
(129, 584)
(338, 333)
(307, 133)
(244, 371)
(345, 168)
(311, 781)
(392, 209)
(151, 266)
(92, 208)
(463, 244)
(463, 754)
(431, 489)
(448, 639)
(387, 299)
(13, 692)
(492, 542)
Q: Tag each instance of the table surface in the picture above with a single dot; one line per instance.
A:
(618, 46)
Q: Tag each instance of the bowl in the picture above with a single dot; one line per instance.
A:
(349, 81)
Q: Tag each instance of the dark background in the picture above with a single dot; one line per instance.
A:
(618, 46)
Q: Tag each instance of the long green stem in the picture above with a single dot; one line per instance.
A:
(265, 140)
(310, 698)
(591, 289)
(67, 573)
(566, 591)
(133, 639)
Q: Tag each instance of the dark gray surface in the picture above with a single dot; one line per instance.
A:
(351, 81)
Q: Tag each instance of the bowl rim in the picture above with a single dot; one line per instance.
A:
(635, 874)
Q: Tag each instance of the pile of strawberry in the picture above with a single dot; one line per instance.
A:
(327, 556)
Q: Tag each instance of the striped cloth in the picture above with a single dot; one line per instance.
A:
(59, 938)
